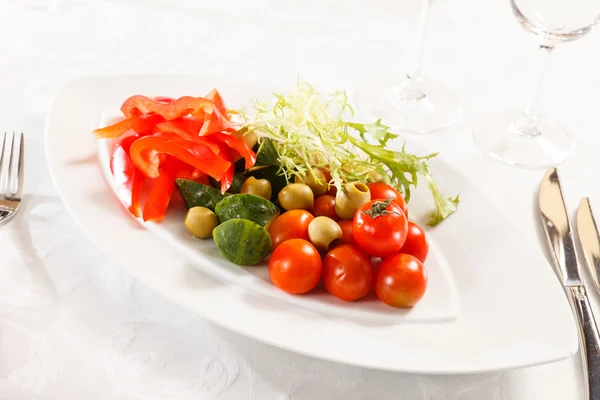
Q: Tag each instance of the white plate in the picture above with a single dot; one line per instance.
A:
(492, 303)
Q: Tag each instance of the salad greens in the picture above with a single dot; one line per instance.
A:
(309, 129)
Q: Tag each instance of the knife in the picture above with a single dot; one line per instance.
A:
(555, 221)
(587, 231)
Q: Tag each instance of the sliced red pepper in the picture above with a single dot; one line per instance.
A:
(183, 126)
(164, 99)
(158, 200)
(145, 155)
(216, 122)
(186, 105)
(139, 124)
(217, 100)
(128, 180)
(236, 144)
(227, 178)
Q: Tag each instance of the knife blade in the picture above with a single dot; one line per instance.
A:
(587, 231)
(555, 220)
(558, 230)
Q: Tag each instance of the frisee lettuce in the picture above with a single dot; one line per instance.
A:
(310, 129)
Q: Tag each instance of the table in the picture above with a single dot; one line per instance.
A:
(73, 325)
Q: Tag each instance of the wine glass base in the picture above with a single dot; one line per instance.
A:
(498, 137)
(420, 106)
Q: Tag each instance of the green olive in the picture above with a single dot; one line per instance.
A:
(350, 198)
(296, 196)
(315, 180)
(323, 232)
(257, 187)
(248, 137)
(375, 176)
(200, 222)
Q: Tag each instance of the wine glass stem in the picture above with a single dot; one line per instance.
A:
(415, 71)
(527, 123)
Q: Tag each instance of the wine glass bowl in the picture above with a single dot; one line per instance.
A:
(410, 103)
(527, 138)
(556, 21)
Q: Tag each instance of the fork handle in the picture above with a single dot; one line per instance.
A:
(589, 339)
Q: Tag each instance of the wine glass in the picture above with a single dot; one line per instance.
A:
(411, 103)
(526, 138)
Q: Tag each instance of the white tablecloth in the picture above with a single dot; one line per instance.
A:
(73, 325)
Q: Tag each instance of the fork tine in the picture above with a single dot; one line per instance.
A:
(20, 173)
(3, 175)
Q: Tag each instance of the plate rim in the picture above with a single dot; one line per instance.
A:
(53, 165)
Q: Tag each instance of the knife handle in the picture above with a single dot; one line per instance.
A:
(590, 341)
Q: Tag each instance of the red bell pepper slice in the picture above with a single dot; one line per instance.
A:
(216, 122)
(164, 99)
(145, 154)
(128, 180)
(184, 127)
(159, 198)
(236, 144)
(227, 178)
(217, 100)
(138, 124)
(186, 105)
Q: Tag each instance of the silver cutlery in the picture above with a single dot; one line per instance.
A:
(12, 151)
(587, 231)
(555, 220)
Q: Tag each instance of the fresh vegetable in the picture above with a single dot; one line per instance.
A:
(246, 206)
(347, 234)
(323, 232)
(234, 144)
(383, 191)
(269, 173)
(310, 130)
(296, 196)
(136, 106)
(401, 281)
(242, 242)
(324, 205)
(200, 222)
(295, 266)
(188, 137)
(347, 273)
(257, 187)
(267, 154)
(417, 242)
(127, 179)
(290, 225)
(236, 184)
(141, 125)
(380, 228)
(315, 179)
(197, 194)
(352, 196)
(158, 200)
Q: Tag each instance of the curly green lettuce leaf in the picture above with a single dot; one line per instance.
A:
(309, 129)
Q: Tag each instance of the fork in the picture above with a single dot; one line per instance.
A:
(11, 175)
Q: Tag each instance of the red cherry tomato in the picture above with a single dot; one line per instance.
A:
(295, 266)
(347, 273)
(324, 205)
(381, 190)
(401, 281)
(347, 235)
(380, 228)
(292, 224)
(417, 243)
